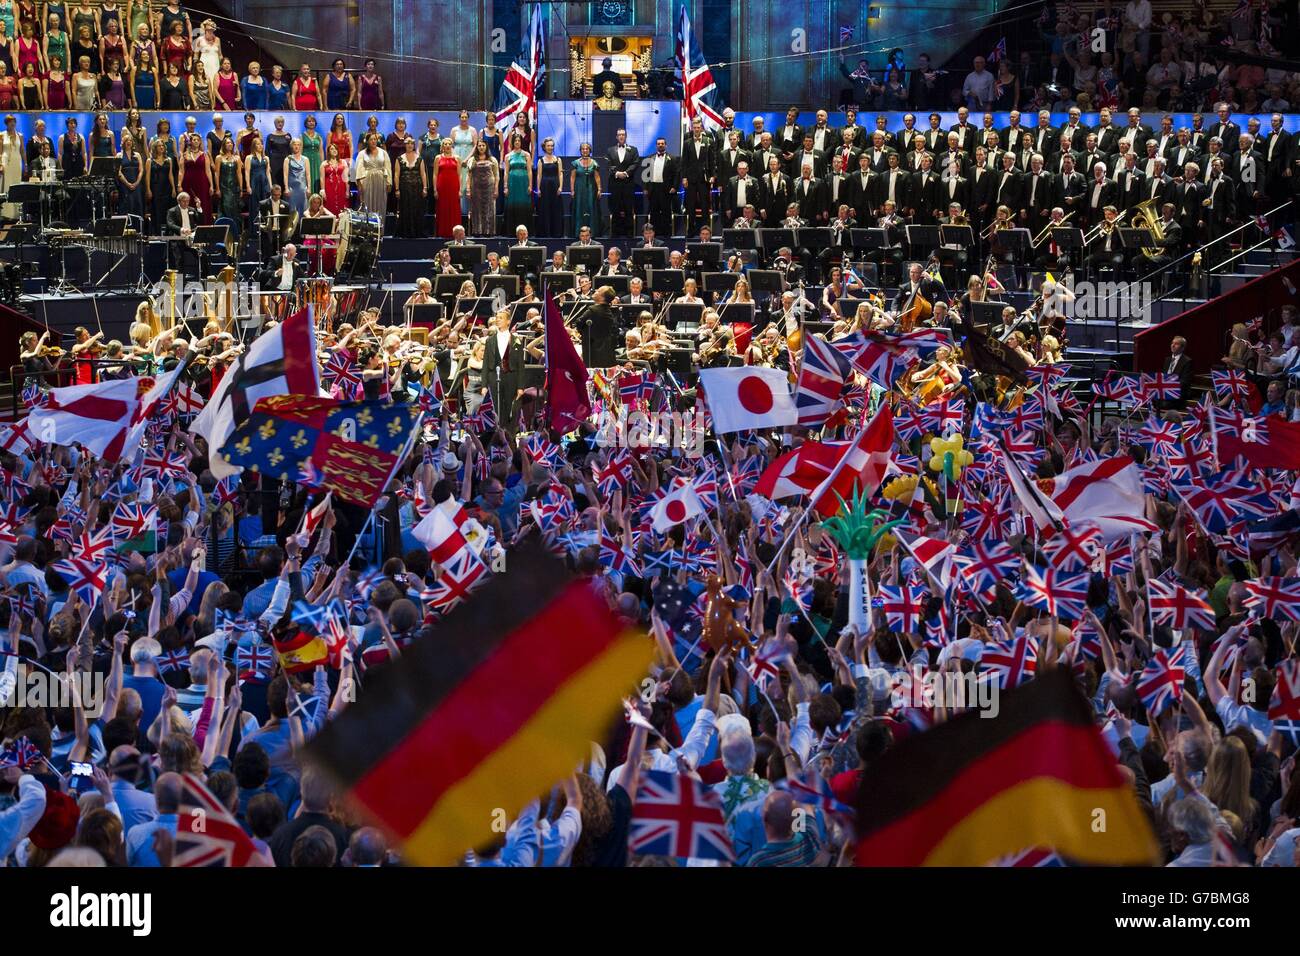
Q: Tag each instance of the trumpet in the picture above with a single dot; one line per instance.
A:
(1106, 226)
(1049, 227)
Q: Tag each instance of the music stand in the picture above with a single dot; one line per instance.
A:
(918, 237)
(815, 238)
(558, 282)
(589, 257)
(720, 281)
(739, 239)
(737, 312)
(317, 226)
(619, 283)
(962, 236)
(986, 314)
(704, 255)
(526, 259)
(448, 285)
(650, 257)
(426, 315)
(770, 281)
(205, 237)
(688, 313)
(508, 283)
(1136, 237)
(467, 258)
(774, 239)
(670, 281)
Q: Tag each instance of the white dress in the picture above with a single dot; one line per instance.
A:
(210, 54)
(13, 165)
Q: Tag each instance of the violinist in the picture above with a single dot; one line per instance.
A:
(34, 354)
(85, 351)
(716, 342)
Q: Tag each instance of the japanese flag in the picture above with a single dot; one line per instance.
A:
(748, 397)
(681, 505)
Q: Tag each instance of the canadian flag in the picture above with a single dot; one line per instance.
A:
(863, 464)
(677, 506)
(800, 470)
(748, 397)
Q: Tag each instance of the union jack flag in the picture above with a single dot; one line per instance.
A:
(904, 607)
(765, 666)
(1160, 684)
(822, 375)
(527, 73)
(1284, 705)
(614, 556)
(483, 418)
(799, 589)
(1231, 383)
(1125, 389)
(944, 416)
(1038, 856)
(1191, 458)
(1160, 386)
(255, 660)
(340, 369)
(87, 578)
(177, 660)
(811, 788)
(984, 519)
(698, 89)
(131, 520)
(93, 547)
(1073, 547)
(22, 754)
(1064, 595)
(1012, 662)
(984, 564)
(679, 816)
(616, 473)
(1275, 598)
(459, 577)
(206, 833)
(1160, 435)
(227, 491)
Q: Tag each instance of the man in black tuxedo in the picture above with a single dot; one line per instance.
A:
(1250, 173)
(905, 138)
(1136, 133)
(503, 368)
(1006, 189)
(861, 187)
(808, 194)
(893, 184)
(182, 220)
(1108, 134)
(924, 194)
(776, 190)
(916, 282)
(697, 175)
(623, 161)
(1277, 150)
(1130, 181)
(1181, 152)
(835, 187)
(1072, 188)
(1225, 128)
(1100, 193)
(741, 189)
(284, 270)
(1171, 245)
(1038, 192)
(730, 157)
(789, 137)
(1156, 185)
(808, 156)
(953, 186)
(600, 338)
(277, 220)
(1188, 197)
(659, 179)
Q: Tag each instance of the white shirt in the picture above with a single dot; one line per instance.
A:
(657, 168)
(286, 276)
(503, 343)
(740, 192)
(185, 220)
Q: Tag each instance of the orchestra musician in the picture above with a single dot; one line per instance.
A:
(1106, 246)
(284, 270)
(85, 349)
(939, 377)
(35, 356)
(716, 342)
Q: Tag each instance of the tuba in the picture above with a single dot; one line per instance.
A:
(1144, 217)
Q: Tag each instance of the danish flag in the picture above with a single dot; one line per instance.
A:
(526, 74)
(698, 88)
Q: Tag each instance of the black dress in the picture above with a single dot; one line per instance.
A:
(410, 211)
(173, 97)
(550, 213)
(277, 151)
(163, 200)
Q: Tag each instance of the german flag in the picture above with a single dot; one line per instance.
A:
(975, 789)
(491, 710)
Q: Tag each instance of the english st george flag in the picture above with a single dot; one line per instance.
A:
(497, 706)
(977, 788)
(281, 361)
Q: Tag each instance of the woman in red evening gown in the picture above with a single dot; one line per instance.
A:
(196, 178)
(336, 181)
(447, 187)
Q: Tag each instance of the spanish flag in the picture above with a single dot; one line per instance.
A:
(978, 788)
(487, 713)
(301, 652)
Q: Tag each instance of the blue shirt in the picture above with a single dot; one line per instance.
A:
(258, 600)
(177, 580)
(137, 806)
(151, 691)
(139, 840)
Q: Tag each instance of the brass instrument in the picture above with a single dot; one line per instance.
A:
(997, 225)
(1047, 229)
(1106, 226)
(1144, 217)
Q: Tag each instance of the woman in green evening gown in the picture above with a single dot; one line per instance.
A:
(519, 187)
(584, 183)
(314, 151)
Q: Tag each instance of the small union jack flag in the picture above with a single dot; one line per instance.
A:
(22, 754)
(131, 520)
(1064, 595)
(1074, 547)
(87, 578)
(1231, 383)
(1160, 684)
(1284, 705)
(177, 660)
(1178, 606)
(904, 607)
(811, 788)
(1012, 662)
(255, 660)
(1274, 598)
(676, 815)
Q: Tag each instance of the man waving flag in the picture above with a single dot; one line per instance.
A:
(698, 89)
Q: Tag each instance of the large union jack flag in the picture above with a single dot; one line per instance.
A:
(527, 74)
(206, 833)
(678, 816)
(698, 89)
(1179, 607)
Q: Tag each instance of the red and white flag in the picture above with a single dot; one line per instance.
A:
(862, 465)
(439, 533)
(311, 520)
(1107, 493)
(748, 397)
(800, 470)
(933, 554)
(680, 504)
